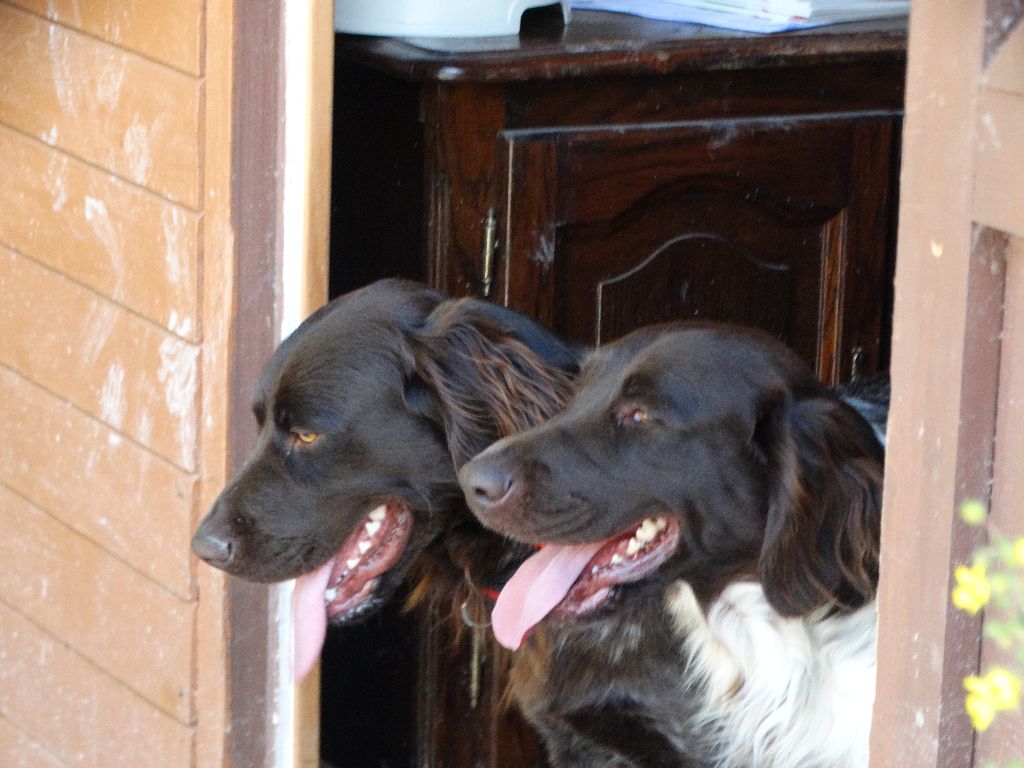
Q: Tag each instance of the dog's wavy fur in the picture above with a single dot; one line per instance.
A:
(826, 489)
(484, 382)
(777, 691)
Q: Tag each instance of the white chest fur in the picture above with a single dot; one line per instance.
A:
(779, 693)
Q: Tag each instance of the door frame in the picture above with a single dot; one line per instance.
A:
(952, 432)
(919, 718)
(281, 144)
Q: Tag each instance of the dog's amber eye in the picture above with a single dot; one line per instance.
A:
(307, 437)
(634, 415)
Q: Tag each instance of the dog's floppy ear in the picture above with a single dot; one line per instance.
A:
(491, 372)
(824, 512)
(553, 351)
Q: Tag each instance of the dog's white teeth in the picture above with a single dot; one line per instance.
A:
(352, 562)
(633, 547)
(363, 546)
(379, 514)
(661, 524)
(617, 558)
(330, 594)
(647, 531)
(372, 527)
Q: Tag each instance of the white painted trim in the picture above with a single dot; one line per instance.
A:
(283, 697)
(297, 62)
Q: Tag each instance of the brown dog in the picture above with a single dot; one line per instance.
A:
(365, 413)
(709, 516)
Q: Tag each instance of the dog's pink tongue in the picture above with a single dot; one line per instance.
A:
(309, 619)
(540, 584)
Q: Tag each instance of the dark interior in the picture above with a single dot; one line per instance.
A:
(633, 172)
(367, 701)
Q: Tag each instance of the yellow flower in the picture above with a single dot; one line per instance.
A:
(1018, 552)
(1003, 687)
(981, 712)
(997, 691)
(973, 512)
(972, 589)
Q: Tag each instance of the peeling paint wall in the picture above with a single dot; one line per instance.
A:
(113, 237)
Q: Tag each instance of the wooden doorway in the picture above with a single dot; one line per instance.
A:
(281, 138)
(956, 424)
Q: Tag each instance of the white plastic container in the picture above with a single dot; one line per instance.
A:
(435, 18)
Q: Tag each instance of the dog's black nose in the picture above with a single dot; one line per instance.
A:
(485, 484)
(212, 547)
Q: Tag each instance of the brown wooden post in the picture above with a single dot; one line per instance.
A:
(256, 221)
(999, 203)
(948, 349)
(924, 644)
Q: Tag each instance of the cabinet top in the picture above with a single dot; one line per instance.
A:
(596, 43)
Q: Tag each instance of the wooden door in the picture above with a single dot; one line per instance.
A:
(782, 223)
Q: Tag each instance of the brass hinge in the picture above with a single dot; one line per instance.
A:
(857, 357)
(490, 244)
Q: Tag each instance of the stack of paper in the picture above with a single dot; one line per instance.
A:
(754, 15)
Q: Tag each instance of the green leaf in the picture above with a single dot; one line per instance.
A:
(1004, 547)
(1000, 583)
(1000, 632)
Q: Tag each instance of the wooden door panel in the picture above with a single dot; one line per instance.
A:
(687, 277)
(692, 255)
(743, 220)
(792, 166)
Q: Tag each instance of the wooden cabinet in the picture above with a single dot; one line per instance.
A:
(613, 174)
(633, 171)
